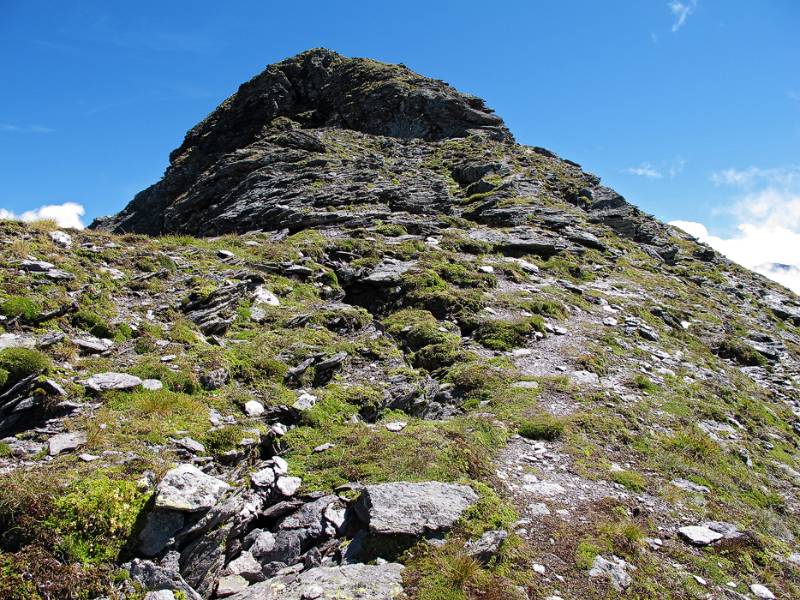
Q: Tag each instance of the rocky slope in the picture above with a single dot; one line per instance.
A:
(359, 343)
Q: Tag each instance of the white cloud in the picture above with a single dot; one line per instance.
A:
(66, 215)
(645, 170)
(8, 127)
(672, 169)
(681, 11)
(784, 177)
(767, 237)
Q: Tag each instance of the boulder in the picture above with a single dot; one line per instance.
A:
(413, 508)
(187, 489)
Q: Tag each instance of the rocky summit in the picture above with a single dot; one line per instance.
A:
(359, 343)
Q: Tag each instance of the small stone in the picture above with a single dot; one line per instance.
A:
(699, 535)
(86, 457)
(191, 445)
(262, 295)
(486, 269)
(263, 477)
(230, 585)
(312, 592)
(112, 381)
(610, 321)
(152, 385)
(540, 569)
(305, 401)
(246, 566)
(761, 591)
(278, 429)
(281, 466)
(225, 254)
(288, 485)
(487, 546)
(64, 442)
(396, 426)
(615, 568)
(254, 408)
(324, 447)
(61, 238)
(160, 595)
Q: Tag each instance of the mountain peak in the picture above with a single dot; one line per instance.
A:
(291, 104)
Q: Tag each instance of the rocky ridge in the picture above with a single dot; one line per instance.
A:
(357, 342)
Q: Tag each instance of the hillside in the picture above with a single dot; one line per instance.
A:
(359, 343)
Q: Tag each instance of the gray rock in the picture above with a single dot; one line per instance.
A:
(263, 478)
(358, 581)
(253, 408)
(685, 484)
(487, 546)
(202, 560)
(213, 380)
(61, 238)
(288, 485)
(152, 385)
(160, 595)
(64, 442)
(245, 565)
(13, 340)
(158, 578)
(229, 585)
(160, 526)
(762, 591)
(103, 382)
(413, 508)
(259, 542)
(699, 535)
(615, 568)
(186, 488)
(191, 445)
(92, 344)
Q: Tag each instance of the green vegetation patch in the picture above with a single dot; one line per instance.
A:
(20, 307)
(542, 427)
(504, 335)
(20, 363)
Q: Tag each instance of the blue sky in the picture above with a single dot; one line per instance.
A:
(691, 109)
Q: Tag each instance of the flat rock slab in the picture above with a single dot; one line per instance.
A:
(353, 582)
(64, 442)
(103, 382)
(699, 535)
(413, 508)
(187, 489)
(12, 340)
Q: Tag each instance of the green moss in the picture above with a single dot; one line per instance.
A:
(224, 439)
(734, 349)
(22, 362)
(181, 380)
(93, 323)
(95, 518)
(391, 229)
(643, 382)
(437, 356)
(24, 308)
(630, 479)
(585, 554)
(542, 427)
(3, 378)
(503, 335)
